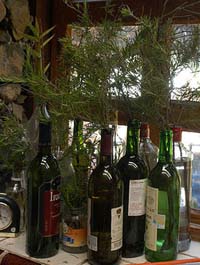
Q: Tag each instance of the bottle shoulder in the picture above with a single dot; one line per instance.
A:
(163, 174)
(105, 184)
(44, 158)
(148, 147)
(44, 165)
(134, 164)
(105, 173)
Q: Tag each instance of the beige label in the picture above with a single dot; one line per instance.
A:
(137, 197)
(160, 220)
(116, 227)
(91, 240)
(74, 237)
(154, 221)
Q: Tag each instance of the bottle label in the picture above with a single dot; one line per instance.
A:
(91, 239)
(114, 236)
(74, 237)
(116, 227)
(154, 221)
(137, 197)
(49, 207)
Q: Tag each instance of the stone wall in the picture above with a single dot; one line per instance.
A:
(14, 19)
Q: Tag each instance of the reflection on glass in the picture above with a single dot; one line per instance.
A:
(192, 141)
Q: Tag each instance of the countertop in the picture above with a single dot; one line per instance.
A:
(17, 246)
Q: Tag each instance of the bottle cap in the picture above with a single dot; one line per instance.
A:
(144, 130)
(177, 134)
(106, 141)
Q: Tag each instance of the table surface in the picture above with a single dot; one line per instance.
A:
(17, 246)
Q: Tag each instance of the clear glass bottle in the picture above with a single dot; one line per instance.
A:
(147, 149)
(134, 175)
(105, 207)
(74, 195)
(162, 206)
(74, 222)
(183, 162)
(17, 192)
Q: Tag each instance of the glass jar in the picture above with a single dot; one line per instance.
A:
(17, 192)
(74, 230)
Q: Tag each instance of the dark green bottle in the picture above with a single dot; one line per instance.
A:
(162, 210)
(134, 174)
(105, 207)
(43, 199)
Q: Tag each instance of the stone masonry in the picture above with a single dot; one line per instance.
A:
(14, 19)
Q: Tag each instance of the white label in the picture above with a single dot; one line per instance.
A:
(91, 240)
(116, 227)
(151, 210)
(137, 197)
(154, 221)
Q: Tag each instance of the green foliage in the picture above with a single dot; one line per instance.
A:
(91, 62)
(75, 192)
(13, 144)
(75, 166)
(106, 66)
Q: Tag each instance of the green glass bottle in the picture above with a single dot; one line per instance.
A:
(134, 175)
(43, 199)
(105, 207)
(80, 159)
(162, 207)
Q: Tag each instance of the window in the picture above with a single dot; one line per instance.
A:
(192, 142)
(63, 16)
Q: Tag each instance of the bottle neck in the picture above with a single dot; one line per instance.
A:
(44, 148)
(144, 132)
(78, 135)
(133, 136)
(44, 138)
(79, 151)
(177, 145)
(165, 151)
(106, 148)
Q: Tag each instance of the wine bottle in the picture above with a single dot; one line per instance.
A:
(74, 193)
(43, 199)
(162, 210)
(134, 174)
(105, 207)
(147, 150)
(183, 162)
